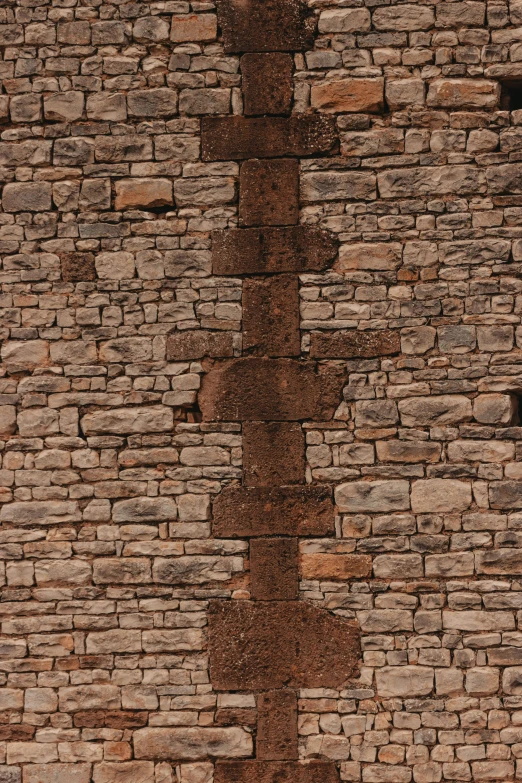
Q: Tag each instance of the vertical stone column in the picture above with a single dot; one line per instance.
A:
(272, 644)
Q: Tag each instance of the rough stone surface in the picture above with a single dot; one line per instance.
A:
(277, 737)
(273, 454)
(269, 193)
(282, 643)
(275, 772)
(271, 316)
(270, 26)
(267, 83)
(198, 344)
(364, 345)
(274, 569)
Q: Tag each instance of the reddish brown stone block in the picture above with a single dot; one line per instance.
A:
(333, 566)
(275, 772)
(270, 390)
(271, 316)
(241, 512)
(263, 645)
(235, 716)
(113, 719)
(185, 346)
(354, 344)
(253, 251)
(78, 267)
(267, 83)
(274, 571)
(268, 26)
(242, 138)
(18, 732)
(269, 193)
(273, 453)
(277, 726)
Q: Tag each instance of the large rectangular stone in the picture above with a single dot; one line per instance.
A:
(190, 744)
(271, 250)
(261, 645)
(241, 138)
(463, 94)
(240, 512)
(431, 181)
(355, 344)
(277, 725)
(270, 26)
(337, 185)
(274, 569)
(271, 316)
(56, 773)
(349, 95)
(185, 346)
(505, 494)
(270, 390)
(499, 561)
(269, 193)
(273, 453)
(266, 83)
(313, 771)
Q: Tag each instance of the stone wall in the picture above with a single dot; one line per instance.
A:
(261, 510)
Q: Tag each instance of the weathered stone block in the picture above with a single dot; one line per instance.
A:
(137, 192)
(26, 197)
(272, 250)
(403, 17)
(193, 27)
(374, 256)
(258, 511)
(273, 453)
(409, 681)
(290, 390)
(269, 193)
(505, 494)
(271, 316)
(429, 411)
(184, 346)
(463, 94)
(274, 569)
(431, 180)
(277, 725)
(55, 773)
(372, 496)
(334, 567)
(270, 26)
(349, 95)
(241, 138)
(78, 267)
(160, 102)
(440, 496)
(187, 744)
(355, 344)
(267, 83)
(275, 772)
(337, 185)
(276, 644)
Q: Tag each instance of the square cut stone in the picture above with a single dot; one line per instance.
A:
(267, 83)
(274, 569)
(273, 453)
(271, 316)
(78, 267)
(268, 26)
(269, 193)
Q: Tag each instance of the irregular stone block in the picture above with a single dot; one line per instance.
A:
(349, 95)
(269, 193)
(407, 451)
(26, 197)
(274, 569)
(276, 644)
(272, 250)
(273, 454)
(474, 251)
(403, 17)
(406, 681)
(89, 697)
(270, 390)
(404, 92)
(55, 773)
(440, 496)
(431, 181)
(344, 20)
(64, 106)
(358, 496)
(7, 420)
(463, 94)
(429, 411)
(505, 179)
(461, 14)
(505, 494)
(144, 193)
(375, 256)
(337, 185)
(498, 409)
(355, 344)
(271, 316)
(270, 26)
(185, 346)
(267, 83)
(240, 512)
(160, 102)
(276, 772)
(328, 567)
(241, 138)
(188, 744)
(128, 420)
(78, 267)
(277, 725)
(123, 772)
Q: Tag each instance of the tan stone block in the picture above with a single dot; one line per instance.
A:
(464, 94)
(56, 773)
(333, 566)
(193, 27)
(349, 95)
(191, 743)
(143, 193)
(432, 496)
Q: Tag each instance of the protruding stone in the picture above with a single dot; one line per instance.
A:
(270, 390)
(186, 346)
(241, 138)
(272, 250)
(355, 344)
(274, 569)
(273, 453)
(260, 645)
(277, 725)
(270, 26)
(267, 83)
(271, 316)
(240, 512)
(269, 193)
